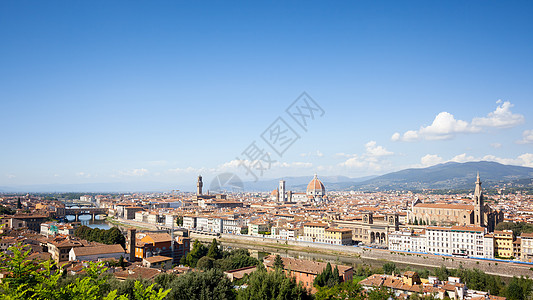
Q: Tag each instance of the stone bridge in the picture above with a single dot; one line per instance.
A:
(93, 211)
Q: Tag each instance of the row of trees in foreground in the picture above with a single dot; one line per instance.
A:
(28, 279)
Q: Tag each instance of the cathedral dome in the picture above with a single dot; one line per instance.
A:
(315, 188)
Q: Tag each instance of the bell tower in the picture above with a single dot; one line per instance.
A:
(478, 204)
(199, 186)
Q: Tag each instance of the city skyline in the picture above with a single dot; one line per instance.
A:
(122, 92)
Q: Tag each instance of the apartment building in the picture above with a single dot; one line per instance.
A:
(503, 243)
(189, 222)
(338, 236)
(314, 232)
(467, 240)
(527, 247)
(233, 225)
(400, 240)
(488, 245)
(286, 233)
(419, 241)
(254, 228)
(438, 240)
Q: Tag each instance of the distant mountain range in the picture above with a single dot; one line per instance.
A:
(449, 175)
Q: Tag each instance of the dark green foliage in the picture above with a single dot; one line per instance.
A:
(208, 285)
(517, 228)
(380, 293)
(214, 251)
(389, 267)
(244, 230)
(518, 288)
(345, 290)
(328, 277)
(272, 285)
(6, 210)
(110, 236)
(179, 221)
(19, 204)
(198, 251)
(278, 263)
(205, 263)
(28, 279)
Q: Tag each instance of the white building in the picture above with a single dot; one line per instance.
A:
(488, 246)
(215, 224)
(285, 233)
(400, 240)
(189, 222)
(233, 225)
(467, 240)
(439, 240)
(141, 216)
(202, 223)
(419, 242)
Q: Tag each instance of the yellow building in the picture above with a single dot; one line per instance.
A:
(315, 232)
(503, 243)
(338, 236)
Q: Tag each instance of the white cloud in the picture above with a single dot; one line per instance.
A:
(84, 175)
(11, 176)
(430, 160)
(309, 154)
(372, 159)
(296, 164)
(527, 137)
(376, 151)
(446, 126)
(396, 137)
(502, 117)
(496, 145)
(134, 173)
(462, 158)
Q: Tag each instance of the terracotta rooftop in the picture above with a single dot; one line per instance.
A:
(95, 250)
(157, 258)
(303, 266)
(447, 206)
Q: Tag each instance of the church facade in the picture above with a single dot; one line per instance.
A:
(478, 214)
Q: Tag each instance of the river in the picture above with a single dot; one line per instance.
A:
(86, 220)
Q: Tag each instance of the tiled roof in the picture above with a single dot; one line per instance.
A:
(95, 250)
(157, 258)
(303, 266)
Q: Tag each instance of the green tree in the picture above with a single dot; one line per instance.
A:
(4, 210)
(278, 263)
(198, 251)
(179, 221)
(214, 251)
(208, 285)
(328, 277)
(389, 267)
(514, 291)
(346, 290)
(272, 285)
(381, 293)
(205, 263)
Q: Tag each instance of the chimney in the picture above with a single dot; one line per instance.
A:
(131, 241)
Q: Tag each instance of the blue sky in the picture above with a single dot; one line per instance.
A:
(130, 91)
